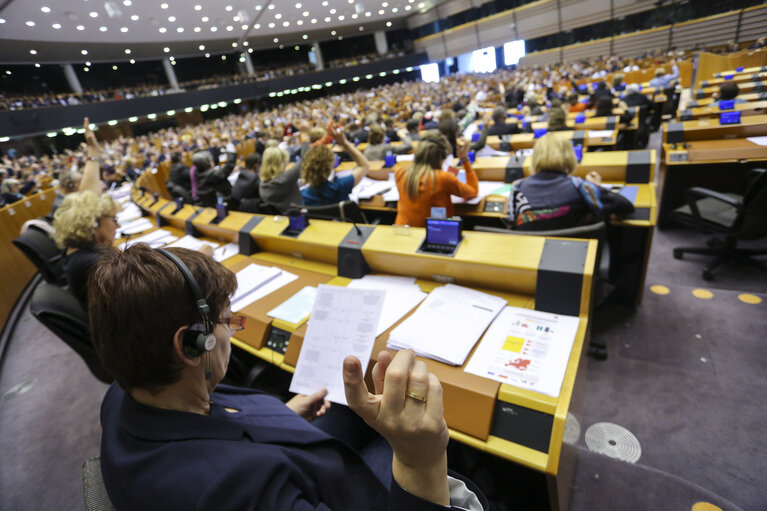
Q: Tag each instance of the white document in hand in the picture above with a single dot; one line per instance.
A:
(526, 348)
(343, 322)
(400, 299)
(249, 279)
(448, 324)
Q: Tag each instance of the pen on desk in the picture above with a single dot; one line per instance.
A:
(480, 307)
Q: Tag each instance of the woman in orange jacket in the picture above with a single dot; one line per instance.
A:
(424, 185)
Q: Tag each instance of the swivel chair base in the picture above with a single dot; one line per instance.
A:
(724, 252)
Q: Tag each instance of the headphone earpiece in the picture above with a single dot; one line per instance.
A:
(198, 340)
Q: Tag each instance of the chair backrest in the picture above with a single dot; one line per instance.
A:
(94, 491)
(62, 314)
(345, 211)
(44, 254)
(754, 213)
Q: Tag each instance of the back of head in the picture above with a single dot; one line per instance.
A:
(446, 115)
(376, 135)
(604, 106)
(553, 153)
(142, 283)
(729, 90)
(10, 185)
(572, 99)
(617, 79)
(76, 219)
(432, 150)
(69, 181)
(252, 161)
(175, 157)
(413, 125)
(316, 133)
(202, 160)
(660, 72)
(272, 163)
(317, 165)
(557, 119)
(499, 114)
(632, 88)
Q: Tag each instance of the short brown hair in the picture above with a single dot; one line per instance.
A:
(138, 299)
(317, 165)
(376, 135)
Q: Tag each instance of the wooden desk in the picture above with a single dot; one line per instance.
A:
(748, 86)
(711, 129)
(722, 165)
(527, 140)
(738, 79)
(745, 71)
(520, 426)
(745, 109)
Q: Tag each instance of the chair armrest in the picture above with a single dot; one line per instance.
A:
(696, 193)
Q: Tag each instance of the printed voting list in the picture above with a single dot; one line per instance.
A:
(255, 282)
(343, 322)
(447, 325)
(402, 294)
(526, 348)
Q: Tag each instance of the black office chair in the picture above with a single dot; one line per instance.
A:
(44, 254)
(735, 217)
(602, 285)
(59, 311)
(345, 211)
(94, 491)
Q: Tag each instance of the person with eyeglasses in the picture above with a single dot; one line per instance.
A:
(175, 438)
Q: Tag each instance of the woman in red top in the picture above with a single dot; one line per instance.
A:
(424, 185)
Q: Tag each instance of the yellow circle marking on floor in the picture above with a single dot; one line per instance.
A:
(703, 294)
(751, 299)
(705, 506)
(660, 290)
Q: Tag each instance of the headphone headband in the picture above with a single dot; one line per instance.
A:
(199, 300)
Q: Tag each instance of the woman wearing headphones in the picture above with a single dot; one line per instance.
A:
(174, 439)
(424, 185)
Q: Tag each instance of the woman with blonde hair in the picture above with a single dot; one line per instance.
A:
(278, 186)
(317, 167)
(553, 199)
(424, 185)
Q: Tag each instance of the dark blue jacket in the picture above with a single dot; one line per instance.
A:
(262, 457)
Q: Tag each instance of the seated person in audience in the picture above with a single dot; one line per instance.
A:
(362, 135)
(605, 109)
(728, 91)
(173, 438)
(414, 129)
(69, 182)
(424, 185)
(574, 104)
(601, 92)
(500, 126)
(10, 190)
(317, 167)
(531, 105)
(278, 186)
(428, 122)
(85, 225)
(245, 190)
(553, 199)
(618, 85)
(179, 173)
(377, 147)
(663, 80)
(208, 182)
(635, 98)
(448, 127)
(391, 132)
(758, 44)
(557, 119)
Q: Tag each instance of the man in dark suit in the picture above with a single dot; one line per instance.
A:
(245, 190)
(500, 127)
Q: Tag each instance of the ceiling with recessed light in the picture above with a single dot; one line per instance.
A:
(53, 28)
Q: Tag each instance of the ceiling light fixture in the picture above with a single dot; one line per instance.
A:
(57, 26)
(162, 30)
(180, 29)
(93, 14)
(213, 29)
(134, 17)
(123, 29)
(30, 23)
(205, 19)
(132, 61)
(198, 7)
(84, 52)
(201, 47)
(197, 29)
(46, 10)
(171, 18)
(33, 52)
(103, 29)
(163, 6)
(127, 3)
(166, 49)
(127, 51)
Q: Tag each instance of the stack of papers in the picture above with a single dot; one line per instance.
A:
(134, 227)
(402, 295)
(296, 308)
(448, 324)
(367, 188)
(485, 188)
(526, 348)
(342, 323)
(225, 252)
(156, 239)
(193, 243)
(255, 282)
(129, 213)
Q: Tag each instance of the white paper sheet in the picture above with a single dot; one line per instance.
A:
(225, 252)
(405, 157)
(527, 349)
(342, 323)
(400, 298)
(129, 213)
(135, 227)
(297, 307)
(193, 243)
(155, 239)
(250, 279)
(392, 195)
(758, 140)
(448, 324)
(367, 188)
(600, 133)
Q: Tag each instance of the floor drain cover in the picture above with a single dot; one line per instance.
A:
(613, 441)
(21, 388)
(572, 429)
